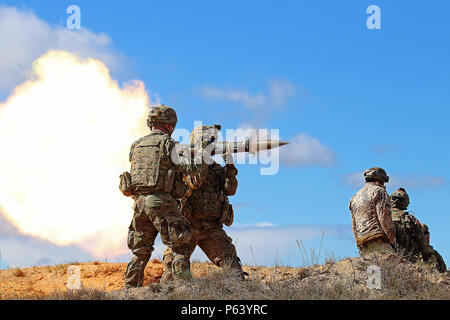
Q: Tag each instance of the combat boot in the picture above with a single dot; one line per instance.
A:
(167, 274)
(181, 267)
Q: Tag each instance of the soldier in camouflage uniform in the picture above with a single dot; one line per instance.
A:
(371, 214)
(411, 238)
(154, 164)
(208, 208)
(409, 235)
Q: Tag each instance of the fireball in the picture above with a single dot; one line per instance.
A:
(65, 135)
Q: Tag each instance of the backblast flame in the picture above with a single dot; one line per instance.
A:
(65, 135)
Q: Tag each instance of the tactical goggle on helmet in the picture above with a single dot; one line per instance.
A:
(376, 174)
(201, 136)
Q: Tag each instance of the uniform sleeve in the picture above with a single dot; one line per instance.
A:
(179, 155)
(353, 220)
(383, 208)
(132, 150)
(229, 183)
(425, 249)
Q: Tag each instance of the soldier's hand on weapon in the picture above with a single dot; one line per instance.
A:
(228, 158)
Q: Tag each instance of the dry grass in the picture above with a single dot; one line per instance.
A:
(335, 279)
(344, 279)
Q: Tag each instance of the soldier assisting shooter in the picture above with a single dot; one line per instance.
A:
(208, 209)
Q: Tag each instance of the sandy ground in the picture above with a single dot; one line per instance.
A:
(342, 279)
(108, 276)
(48, 279)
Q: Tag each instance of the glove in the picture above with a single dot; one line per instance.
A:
(228, 158)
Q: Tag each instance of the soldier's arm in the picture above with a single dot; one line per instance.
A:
(229, 182)
(353, 220)
(424, 247)
(182, 160)
(383, 208)
(132, 150)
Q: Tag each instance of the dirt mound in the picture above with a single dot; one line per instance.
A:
(345, 279)
(49, 279)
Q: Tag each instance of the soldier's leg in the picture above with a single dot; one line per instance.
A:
(168, 257)
(175, 235)
(435, 261)
(167, 261)
(141, 237)
(218, 247)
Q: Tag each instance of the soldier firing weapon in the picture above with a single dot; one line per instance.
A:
(252, 145)
(208, 146)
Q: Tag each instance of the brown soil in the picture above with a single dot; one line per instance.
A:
(49, 279)
(344, 279)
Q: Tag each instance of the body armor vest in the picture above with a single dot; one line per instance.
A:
(151, 167)
(208, 201)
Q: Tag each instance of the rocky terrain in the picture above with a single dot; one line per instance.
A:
(344, 279)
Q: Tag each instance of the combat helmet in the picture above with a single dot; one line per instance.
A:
(162, 114)
(400, 199)
(202, 136)
(376, 174)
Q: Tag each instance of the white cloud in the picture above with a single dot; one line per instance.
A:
(264, 225)
(262, 243)
(266, 244)
(24, 37)
(27, 251)
(279, 92)
(19, 250)
(305, 150)
(411, 181)
(383, 149)
(241, 96)
(302, 150)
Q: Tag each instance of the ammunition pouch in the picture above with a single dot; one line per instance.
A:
(178, 231)
(227, 215)
(194, 181)
(168, 182)
(207, 205)
(125, 184)
(185, 209)
(179, 190)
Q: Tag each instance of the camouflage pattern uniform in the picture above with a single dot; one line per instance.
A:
(408, 231)
(435, 259)
(207, 209)
(411, 238)
(153, 169)
(371, 214)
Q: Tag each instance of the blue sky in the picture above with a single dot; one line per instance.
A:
(368, 97)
